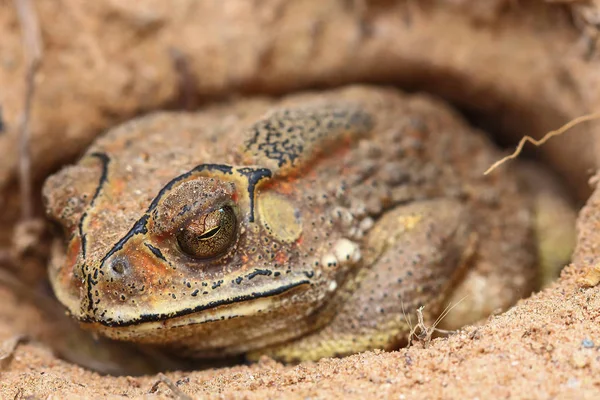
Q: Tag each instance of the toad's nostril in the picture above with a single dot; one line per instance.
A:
(119, 266)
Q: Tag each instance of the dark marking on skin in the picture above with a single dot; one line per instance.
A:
(217, 284)
(215, 320)
(239, 280)
(155, 251)
(138, 227)
(195, 293)
(105, 160)
(184, 209)
(309, 274)
(256, 272)
(203, 307)
(302, 129)
(89, 292)
(83, 241)
(254, 175)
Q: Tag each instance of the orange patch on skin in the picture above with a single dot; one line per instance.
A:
(117, 186)
(281, 257)
(93, 223)
(160, 239)
(73, 250)
(285, 187)
(153, 269)
(150, 264)
(288, 185)
(67, 274)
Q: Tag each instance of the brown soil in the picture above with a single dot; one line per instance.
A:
(514, 68)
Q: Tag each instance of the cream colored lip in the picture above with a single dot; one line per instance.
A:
(150, 318)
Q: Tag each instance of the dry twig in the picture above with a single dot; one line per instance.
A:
(179, 394)
(547, 136)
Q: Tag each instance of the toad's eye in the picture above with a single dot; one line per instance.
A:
(209, 235)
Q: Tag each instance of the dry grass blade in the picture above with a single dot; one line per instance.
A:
(179, 394)
(547, 136)
(425, 333)
(446, 311)
(407, 319)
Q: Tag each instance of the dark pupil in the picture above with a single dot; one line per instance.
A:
(209, 235)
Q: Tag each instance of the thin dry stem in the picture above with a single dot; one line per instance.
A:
(179, 394)
(548, 136)
(406, 317)
(425, 333)
(33, 49)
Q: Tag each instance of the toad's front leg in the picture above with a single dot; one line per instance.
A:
(414, 255)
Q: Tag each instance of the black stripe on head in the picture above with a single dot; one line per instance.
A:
(254, 175)
(157, 253)
(105, 160)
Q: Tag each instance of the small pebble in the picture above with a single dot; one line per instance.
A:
(579, 360)
(587, 343)
(573, 383)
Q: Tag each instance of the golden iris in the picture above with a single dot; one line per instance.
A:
(210, 235)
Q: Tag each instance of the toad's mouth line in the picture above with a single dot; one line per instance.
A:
(157, 317)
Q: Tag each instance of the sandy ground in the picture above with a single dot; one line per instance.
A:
(514, 68)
